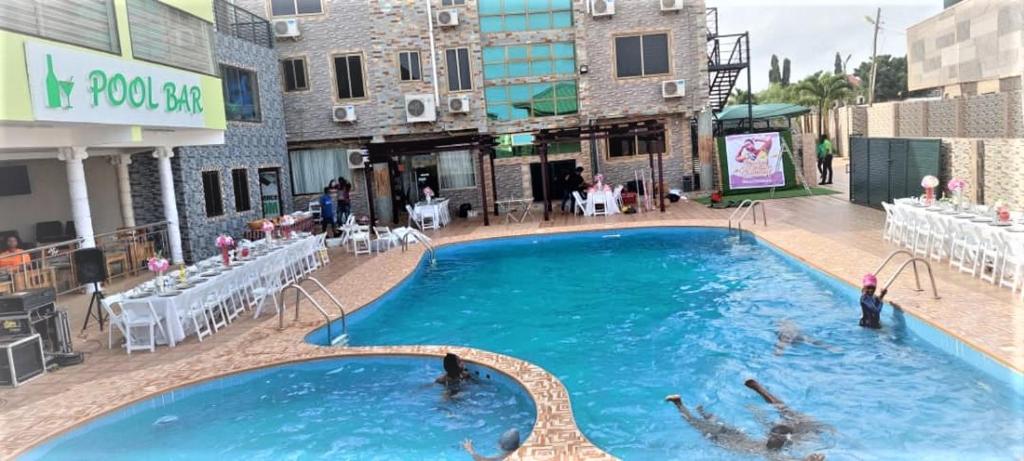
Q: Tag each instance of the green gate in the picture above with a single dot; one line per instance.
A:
(884, 169)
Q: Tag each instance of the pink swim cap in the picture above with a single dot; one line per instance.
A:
(869, 280)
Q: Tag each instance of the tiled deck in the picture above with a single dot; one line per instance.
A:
(826, 231)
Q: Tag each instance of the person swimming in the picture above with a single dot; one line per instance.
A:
(789, 333)
(508, 443)
(454, 374)
(871, 305)
(801, 425)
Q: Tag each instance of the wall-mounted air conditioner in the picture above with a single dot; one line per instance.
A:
(420, 108)
(673, 88)
(286, 28)
(356, 158)
(448, 18)
(602, 8)
(458, 104)
(345, 114)
(671, 5)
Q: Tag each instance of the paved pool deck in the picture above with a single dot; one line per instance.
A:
(827, 232)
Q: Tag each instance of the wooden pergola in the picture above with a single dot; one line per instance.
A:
(646, 131)
(477, 143)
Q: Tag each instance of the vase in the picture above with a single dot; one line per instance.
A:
(160, 282)
(224, 256)
(929, 196)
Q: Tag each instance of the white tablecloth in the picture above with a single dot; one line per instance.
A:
(437, 208)
(605, 198)
(174, 309)
(963, 222)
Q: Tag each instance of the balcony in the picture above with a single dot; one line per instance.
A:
(240, 23)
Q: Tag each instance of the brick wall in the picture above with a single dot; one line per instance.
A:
(1004, 167)
(985, 116)
(943, 117)
(913, 119)
(882, 120)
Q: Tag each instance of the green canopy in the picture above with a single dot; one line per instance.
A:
(761, 112)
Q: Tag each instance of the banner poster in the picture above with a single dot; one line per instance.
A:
(755, 161)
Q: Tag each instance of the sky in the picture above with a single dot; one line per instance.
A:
(810, 32)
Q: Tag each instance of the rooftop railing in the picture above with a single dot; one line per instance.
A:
(240, 23)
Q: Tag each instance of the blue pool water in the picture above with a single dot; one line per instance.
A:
(375, 408)
(623, 320)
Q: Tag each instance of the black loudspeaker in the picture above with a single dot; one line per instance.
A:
(89, 265)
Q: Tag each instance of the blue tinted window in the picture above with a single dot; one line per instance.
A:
(496, 93)
(539, 21)
(494, 71)
(529, 60)
(515, 23)
(561, 20)
(540, 51)
(541, 68)
(518, 69)
(536, 6)
(519, 93)
(522, 15)
(489, 7)
(491, 24)
(515, 6)
(516, 52)
(563, 50)
(532, 100)
(565, 66)
(494, 55)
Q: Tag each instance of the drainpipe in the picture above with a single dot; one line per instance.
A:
(433, 53)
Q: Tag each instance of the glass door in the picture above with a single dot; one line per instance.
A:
(270, 191)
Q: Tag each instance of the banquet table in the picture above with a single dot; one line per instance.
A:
(436, 208)
(174, 305)
(961, 222)
(605, 198)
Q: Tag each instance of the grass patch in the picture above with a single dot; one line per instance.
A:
(788, 193)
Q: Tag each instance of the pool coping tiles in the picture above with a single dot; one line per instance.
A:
(555, 435)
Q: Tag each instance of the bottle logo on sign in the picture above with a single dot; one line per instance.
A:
(58, 92)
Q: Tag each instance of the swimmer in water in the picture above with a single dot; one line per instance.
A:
(454, 374)
(789, 333)
(508, 444)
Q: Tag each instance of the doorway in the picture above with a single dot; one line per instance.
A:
(556, 187)
(270, 191)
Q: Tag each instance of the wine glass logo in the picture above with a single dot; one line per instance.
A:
(58, 92)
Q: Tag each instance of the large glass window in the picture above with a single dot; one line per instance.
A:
(641, 55)
(87, 23)
(240, 185)
(623, 144)
(294, 71)
(212, 195)
(523, 15)
(531, 60)
(348, 75)
(313, 169)
(459, 74)
(241, 94)
(295, 7)
(518, 102)
(409, 65)
(169, 36)
(455, 170)
(521, 145)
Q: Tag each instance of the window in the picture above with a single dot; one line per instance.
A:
(452, 2)
(165, 35)
(455, 170)
(212, 193)
(523, 15)
(518, 102)
(641, 55)
(409, 65)
(312, 169)
(458, 69)
(295, 7)
(532, 60)
(348, 76)
(90, 24)
(240, 184)
(241, 94)
(622, 144)
(294, 70)
(521, 145)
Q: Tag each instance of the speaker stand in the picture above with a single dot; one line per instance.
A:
(95, 303)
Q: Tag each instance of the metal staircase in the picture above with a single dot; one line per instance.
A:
(728, 56)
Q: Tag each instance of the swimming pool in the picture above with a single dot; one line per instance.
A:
(381, 407)
(625, 317)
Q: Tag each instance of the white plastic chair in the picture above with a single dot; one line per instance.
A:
(889, 228)
(580, 204)
(133, 316)
(360, 242)
(992, 255)
(266, 283)
(617, 193)
(940, 232)
(196, 313)
(967, 251)
(1012, 268)
(385, 237)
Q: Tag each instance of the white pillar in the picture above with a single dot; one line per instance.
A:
(124, 188)
(72, 158)
(163, 155)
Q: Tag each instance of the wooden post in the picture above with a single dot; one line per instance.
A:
(661, 181)
(368, 172)
(483, 186)
(542, 150)
(494, 181)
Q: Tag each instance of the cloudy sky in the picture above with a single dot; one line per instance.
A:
(809, 32)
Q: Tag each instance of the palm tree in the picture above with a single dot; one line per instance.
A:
(824, 90)
(741, 97)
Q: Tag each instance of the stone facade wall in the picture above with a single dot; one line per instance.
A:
(913, 119)
(1004, 171)
(944, 118)
(882, 120)
(985, 116)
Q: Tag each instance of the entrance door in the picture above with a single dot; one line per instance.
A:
(382, 192)
(426, 175)
(556, 187)
(270, 191)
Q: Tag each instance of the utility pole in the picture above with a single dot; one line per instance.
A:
(874, 55)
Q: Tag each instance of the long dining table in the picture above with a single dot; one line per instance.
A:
(961, 221)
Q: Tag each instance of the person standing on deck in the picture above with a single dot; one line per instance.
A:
(826, 162)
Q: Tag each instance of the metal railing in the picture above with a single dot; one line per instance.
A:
(744, 209)
(302, 225)
(913, 260)
(328, 321)
(240, 23)
(422, 239)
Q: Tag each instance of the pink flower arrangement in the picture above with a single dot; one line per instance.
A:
(956, 185)
(225, 241)
(268, 226)
(287, 220)
(929, 182)
(158, 265)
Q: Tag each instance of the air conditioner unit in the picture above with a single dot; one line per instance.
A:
(420, 108)
(671, 5)
(356, 158)
(673, 88)
(344, 113)
(602, 7)
(448, 18)
(458, 104)
(286, 28)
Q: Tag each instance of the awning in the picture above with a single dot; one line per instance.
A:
(761, 112)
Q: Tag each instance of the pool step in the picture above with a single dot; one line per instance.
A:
(340, 341)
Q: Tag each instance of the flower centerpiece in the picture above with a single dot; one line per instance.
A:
(268, 229)
(287, 221)
(225, 243)
(158, 266)
(929, 183)
(428, 193)
(1002, 210)
(957, 187)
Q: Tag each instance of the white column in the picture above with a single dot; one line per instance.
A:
(80, 212)
(163, 155)
(124, 188)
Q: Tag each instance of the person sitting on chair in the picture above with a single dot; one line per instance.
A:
(13, 257)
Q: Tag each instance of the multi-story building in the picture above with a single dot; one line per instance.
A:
(358, 73)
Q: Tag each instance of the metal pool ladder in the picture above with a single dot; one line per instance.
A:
(422, 239)
(297, 285)
(744, 209)
(913, 260)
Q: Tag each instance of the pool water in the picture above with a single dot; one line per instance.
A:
(624, 318)
(376, 408)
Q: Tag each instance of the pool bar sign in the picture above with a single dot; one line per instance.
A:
(74, 86)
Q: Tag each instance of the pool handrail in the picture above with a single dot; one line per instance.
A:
(420, 238)
(912, 261)
(745, 207)
(917, 276)
(299, 290)
(334, 299)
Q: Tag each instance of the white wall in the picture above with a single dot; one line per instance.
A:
(49, 198)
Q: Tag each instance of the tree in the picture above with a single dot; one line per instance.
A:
(785, 72)
(774, 76)
(824, 89)
(741, 97)
(839, 65)
(892, 77)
